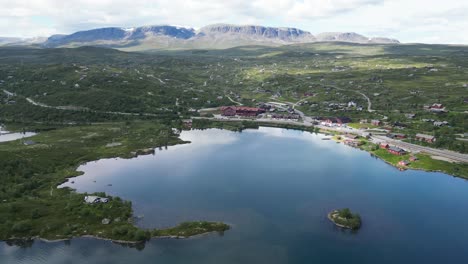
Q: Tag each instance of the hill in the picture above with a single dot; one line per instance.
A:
(217, 36)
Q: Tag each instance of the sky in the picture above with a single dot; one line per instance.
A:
(422, 21)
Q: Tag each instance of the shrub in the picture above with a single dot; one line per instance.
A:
(22, 226)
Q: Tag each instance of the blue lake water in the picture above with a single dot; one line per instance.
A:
(275, 187)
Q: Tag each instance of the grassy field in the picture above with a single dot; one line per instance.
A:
(398, 79)
(425, 162)
(32, 206)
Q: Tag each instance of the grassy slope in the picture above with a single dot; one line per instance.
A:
(426, 163)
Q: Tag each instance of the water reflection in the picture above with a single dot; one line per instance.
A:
(209, 137)
(275, 188)
(15, 136)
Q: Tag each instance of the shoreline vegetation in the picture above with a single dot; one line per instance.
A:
(34, 208)
(344, 218)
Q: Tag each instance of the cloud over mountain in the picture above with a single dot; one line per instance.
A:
(408, 20)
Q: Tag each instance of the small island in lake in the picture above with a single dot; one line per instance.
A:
(345, 218)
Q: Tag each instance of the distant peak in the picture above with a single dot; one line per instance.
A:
(220, 35)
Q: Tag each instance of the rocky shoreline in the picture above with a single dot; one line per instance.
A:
(331, 219)
(105, 239)
(345, 219)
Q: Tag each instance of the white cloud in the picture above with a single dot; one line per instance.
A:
(407, 20)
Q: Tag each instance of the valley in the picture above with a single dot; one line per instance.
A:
(89, 103)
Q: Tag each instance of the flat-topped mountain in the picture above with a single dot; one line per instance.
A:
(212, 36)
(280, 34)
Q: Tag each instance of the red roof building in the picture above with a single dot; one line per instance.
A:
(376, 122)
(384, 146)
(426, 138)
(437, 106)
(336, 120)
(403, 163)
(396, 151)
(228, 110)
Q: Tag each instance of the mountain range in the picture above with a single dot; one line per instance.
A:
(215, 36)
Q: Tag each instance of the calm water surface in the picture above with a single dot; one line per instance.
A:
(274, 187)
(15, 136)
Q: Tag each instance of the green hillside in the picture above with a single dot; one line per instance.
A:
(398, 79)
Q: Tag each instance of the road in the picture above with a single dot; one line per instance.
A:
(452, 155)
(455, 156)
(369, 103)
(8, 93)
(307, 121)
(230, 99)
(75, 108)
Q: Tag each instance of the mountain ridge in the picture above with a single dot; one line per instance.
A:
(214, 36)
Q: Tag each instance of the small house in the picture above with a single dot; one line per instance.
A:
(384, 145)
(352, 104)
(396, 151)
(396, 135)
(376, 122)
(425, 138)
(403, 163)
(437, 108)
(247, 111)
(440, 123)
(352, 143)
(228, 110)
(187, 123)
(351, 136)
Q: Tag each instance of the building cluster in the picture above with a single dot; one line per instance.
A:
(376, 122)
(273, 110)
(241, 111)
(436, 108)
(396, 135)
(393, 149)
(285, 116)
(334, 121)
(352, 140)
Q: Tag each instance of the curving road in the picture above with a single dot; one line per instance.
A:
(77, 108)
(230, 99)
(369, 103)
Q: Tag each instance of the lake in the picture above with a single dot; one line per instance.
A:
(4, 137)
(275, 188)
